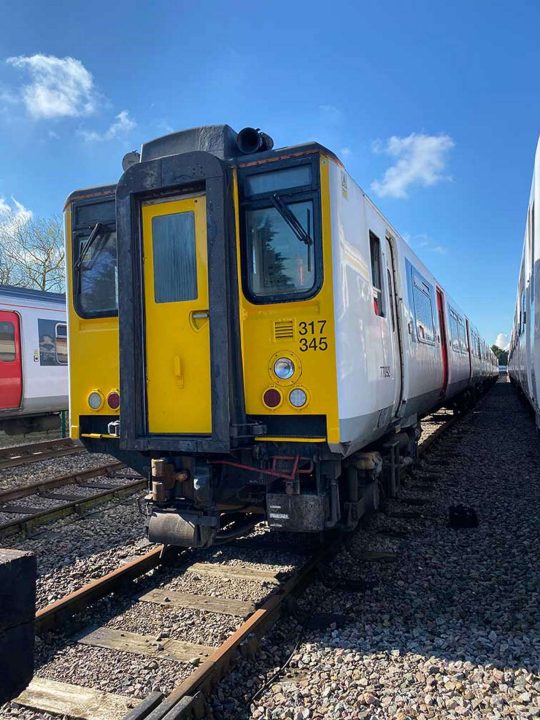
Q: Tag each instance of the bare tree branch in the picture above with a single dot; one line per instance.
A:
(32, 254)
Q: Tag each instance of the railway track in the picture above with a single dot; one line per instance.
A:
(211, 663)
(33, 452)
(60, 504)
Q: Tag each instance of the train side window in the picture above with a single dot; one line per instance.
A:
(8, 350)
(454, 331)
(376, 273)
(175, 257)
(423, 310)
(464, 345)
(60, 341)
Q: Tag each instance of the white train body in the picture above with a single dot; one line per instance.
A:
(33, 358)
(524, 355)
(391, 361)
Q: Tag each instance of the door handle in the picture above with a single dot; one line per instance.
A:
(178, 370)
(198, 318)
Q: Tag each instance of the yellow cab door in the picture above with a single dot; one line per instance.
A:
(177, 324)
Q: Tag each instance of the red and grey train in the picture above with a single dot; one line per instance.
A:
(33, 359)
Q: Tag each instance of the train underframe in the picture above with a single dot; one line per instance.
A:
(296, 487)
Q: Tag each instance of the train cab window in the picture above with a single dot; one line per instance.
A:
(60, 341)
(8, 350)
(376, 273)
(423, 310)
(280, 263)
(281, 254)
(95, 259)
(175, 257)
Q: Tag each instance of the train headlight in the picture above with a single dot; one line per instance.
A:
(284, 368)
(298, 397)
(95, 400)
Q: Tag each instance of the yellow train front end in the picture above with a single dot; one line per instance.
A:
(201, 332)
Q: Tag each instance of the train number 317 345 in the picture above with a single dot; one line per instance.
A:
(311, 335)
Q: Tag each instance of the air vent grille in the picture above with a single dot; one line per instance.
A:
(283, 330)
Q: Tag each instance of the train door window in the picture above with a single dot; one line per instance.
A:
(376, 273)
(391, 299)
(8, 350)
(60, 342)
(423, 309)
(175, 257)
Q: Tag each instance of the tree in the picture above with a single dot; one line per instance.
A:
(32, 254)
(501, 355)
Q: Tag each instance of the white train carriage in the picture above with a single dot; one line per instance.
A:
(33, 359)
(524, 355)
(403, 345)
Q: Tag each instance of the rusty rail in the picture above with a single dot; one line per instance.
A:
(33, 452)
(32, 517)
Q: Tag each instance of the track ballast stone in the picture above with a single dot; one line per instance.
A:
(448, 630)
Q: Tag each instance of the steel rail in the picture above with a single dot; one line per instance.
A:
(73, 478)
(33, 452)
(73, 505)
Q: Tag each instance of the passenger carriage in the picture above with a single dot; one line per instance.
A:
(267, 341)
(33, 359)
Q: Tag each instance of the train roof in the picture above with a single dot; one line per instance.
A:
(31, 294)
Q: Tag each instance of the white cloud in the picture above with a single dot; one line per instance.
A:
(422, 241)
(58, 87)
(501, 341)
(420, 160)
(121, 127)
(12, 215)
(331, 114)
(345, 152)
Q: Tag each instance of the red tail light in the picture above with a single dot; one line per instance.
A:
(113, 400)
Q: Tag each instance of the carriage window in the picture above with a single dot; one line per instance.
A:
(279, 262)
(175, 257)
(8, 351)
(454, 331)
(376, 273)
(267, 182)
(423, 309)
(61, 344)
(463, 336)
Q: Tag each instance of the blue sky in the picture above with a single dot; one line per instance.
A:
(433, 106)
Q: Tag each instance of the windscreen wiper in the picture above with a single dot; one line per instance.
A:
(291, 220)
(96, 231)
(98, 227)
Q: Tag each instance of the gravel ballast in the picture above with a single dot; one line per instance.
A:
(448, 630)
(445, 628)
